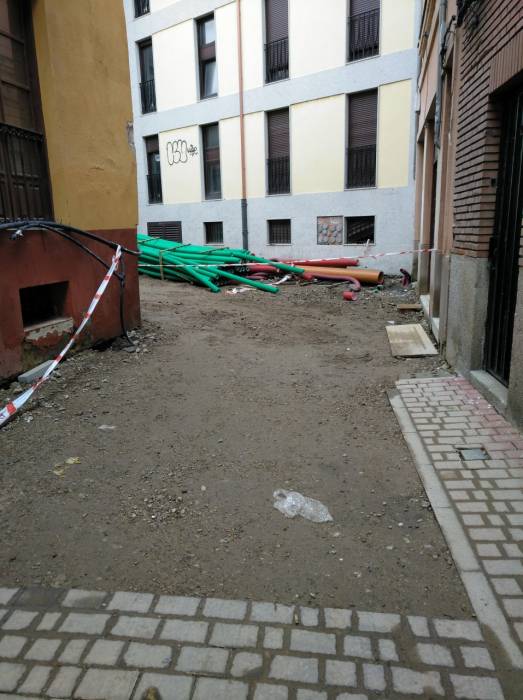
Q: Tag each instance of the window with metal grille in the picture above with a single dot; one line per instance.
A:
(211, 161)
(278, 162)
(363, 30)
(141, 7)
(277, 34)
(280, 232)
(170, 230)
(361, 150)
(214, 232)
(154, 176)
(147, 89)
(359, 230)
(207, 57)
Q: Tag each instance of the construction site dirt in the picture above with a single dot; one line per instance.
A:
(155, 470)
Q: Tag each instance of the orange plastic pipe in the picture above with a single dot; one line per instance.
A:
(367, 276)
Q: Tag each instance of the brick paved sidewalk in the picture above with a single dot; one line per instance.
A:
(84, 644)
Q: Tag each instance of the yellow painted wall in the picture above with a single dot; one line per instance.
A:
(316, 35)
(318, 145)
(182, 179)
(394, 117)
(227, 49)
(397, 25)
(160, 4)
(175, 71)
(83, 69)
(252, 43)
(255, 154)
(230, 159)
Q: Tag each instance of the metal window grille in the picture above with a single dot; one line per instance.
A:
(154, 183)
(169, 230)
(359, 229)
(214, 232)
(279, 178)
(211, 161)
(277, 60)
(148, 93)
(280, 232)
(141, 7)
(361, 166)
(363, 35)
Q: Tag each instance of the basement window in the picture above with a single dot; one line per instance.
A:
(280, 232)
(359, 230)
(214, 232)
(43, 303)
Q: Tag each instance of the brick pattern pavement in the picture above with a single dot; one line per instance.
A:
(471, 462)
(93, 645)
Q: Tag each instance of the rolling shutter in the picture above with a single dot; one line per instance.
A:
(170, 230)
(277, 18)
(363, 117)
(278, 132)
(359, 6)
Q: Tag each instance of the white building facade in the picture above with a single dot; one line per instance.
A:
(302, 149)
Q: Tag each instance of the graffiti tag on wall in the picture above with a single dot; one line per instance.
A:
(178, 151)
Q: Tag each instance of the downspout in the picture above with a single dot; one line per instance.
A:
(439, 84)
(245, 228)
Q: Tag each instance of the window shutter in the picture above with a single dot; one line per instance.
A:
(277, 18)
(359, 6)
(278, 132)
(363, 116)
(170, 230)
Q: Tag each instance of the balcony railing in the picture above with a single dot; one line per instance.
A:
(277, 60)
(361, 166)
(278, 175)
(364, 35)
(154, 183)
(141, 7)
(148, 96)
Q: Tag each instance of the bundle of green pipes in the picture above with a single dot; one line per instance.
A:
(201, 264)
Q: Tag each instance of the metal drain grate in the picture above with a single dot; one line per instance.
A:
(470, 453)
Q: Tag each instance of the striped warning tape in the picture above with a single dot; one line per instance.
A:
(15, 405)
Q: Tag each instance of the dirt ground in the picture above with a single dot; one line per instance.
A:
(228, 399)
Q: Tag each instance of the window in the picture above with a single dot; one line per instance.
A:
(154, 176)
(141, 7)
(280, 232)
(211, 161)
(361, 151)
(277, 37)
(278, 162)
(147, 90)
(359, 230)
(170, 230)
(214, 232)
(207, 57)
(363, 33)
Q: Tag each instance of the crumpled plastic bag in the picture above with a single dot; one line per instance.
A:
(292, 503)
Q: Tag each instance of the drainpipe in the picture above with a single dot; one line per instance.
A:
(245, 228)
(439, 84)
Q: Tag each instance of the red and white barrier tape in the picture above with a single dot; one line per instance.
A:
(15, 405)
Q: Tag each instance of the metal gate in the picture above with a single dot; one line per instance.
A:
(504, 246)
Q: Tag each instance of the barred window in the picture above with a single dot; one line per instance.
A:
(214, 232)
(359, 230)
(280, 232)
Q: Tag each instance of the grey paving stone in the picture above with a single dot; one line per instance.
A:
(216, 689)
(184, 631)
(3, 613)
(144, 627)
(338, 617)
(10, 674)
(514, 607)
(387, 650)
(11, 646)
(357, 646)
(378, 622)
(7, 594)
(19, 620)
(246, 664)
(202, 659)
(131, 602)
(78, 598)
(43, 650)
(475, 688)
(36, 680)
(374, 677)
(434, 655)
(309, 617)
(271, 612)
(273, 638)
(233, 636)
(37, 597)
(415, 683)
(304, 694)
(84, 623)
(485, 534)
(313, 642)
(148, 655)
(48, 621)
(459, 629)
(341, 673)
(225, 609)
(177, 605)
(73, 651)
(293, 668)
(267, 691)
(169, 687)
(351, 696)
(64, 682)
(104, 653)
(488, 550)
(476, 657)
(507, 586)
(419, 625)
(99, 684)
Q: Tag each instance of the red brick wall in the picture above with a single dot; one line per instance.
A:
(499, 23)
